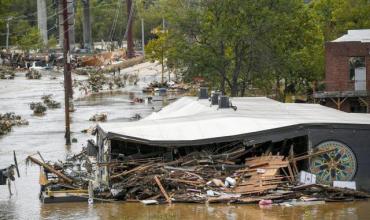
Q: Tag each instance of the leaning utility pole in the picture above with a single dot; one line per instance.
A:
(67, 71)
(130, 42)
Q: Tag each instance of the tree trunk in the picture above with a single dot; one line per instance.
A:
(277, 89)
(223, 82)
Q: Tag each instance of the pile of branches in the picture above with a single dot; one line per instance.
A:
(99, 117)
(8, 120)
(6, 72)
(98, 80)
(50, 102)
(38, 108)
(33, 74)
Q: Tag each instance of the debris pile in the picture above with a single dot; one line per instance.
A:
(33, 74)
(169, 86)
(101, 117)
(38, 108)
(50, 102)
(6, 73)
(8, 120)
(220, 174)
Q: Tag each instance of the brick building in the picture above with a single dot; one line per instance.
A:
(347, 73)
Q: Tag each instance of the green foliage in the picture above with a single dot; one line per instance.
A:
(233, 43)
(31, 40)
(337, 16)
(158, 48)
(52, 42)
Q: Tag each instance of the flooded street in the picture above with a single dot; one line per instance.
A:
(46, 135)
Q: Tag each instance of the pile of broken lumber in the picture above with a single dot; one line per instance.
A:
(213, 175)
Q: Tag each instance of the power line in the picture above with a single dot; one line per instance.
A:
(28, 15)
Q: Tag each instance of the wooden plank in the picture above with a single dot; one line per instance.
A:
(193, 183)
(311, 155)
(51, 169)
(168, 199)
(138, 168)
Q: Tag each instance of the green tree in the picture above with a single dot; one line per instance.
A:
(31, 40)
(157, 49)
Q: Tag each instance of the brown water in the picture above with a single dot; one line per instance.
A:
(45, 134)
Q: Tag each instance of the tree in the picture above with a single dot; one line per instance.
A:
(233, 42)
(157, 49)
(31, 40)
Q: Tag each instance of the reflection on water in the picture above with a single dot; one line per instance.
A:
(132, 211)
(45, 134)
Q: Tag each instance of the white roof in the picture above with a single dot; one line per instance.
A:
(190, 119)
(362, 35)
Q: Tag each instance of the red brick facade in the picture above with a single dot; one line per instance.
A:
(337, 76)
(337, 56)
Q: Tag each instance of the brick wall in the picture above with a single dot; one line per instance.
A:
(337, 65)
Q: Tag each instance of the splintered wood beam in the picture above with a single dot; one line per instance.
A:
(168, 199)
(136, 169)
(50, 169)
(310, 155)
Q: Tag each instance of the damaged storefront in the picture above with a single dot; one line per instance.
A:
(258, 150)
(191, 134)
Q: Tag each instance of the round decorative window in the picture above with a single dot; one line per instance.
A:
(338, 164)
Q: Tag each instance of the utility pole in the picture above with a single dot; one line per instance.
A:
(71, 20)
(86, 25)
(142, 36)
(130, 42)
(7, 32)
(67, 72)
(42, 20)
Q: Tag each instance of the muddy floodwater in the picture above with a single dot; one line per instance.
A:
(46, 135)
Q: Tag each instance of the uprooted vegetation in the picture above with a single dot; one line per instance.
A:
(50, 102)
(98, 80)
(38, 108)
(6, 73)
(8, 120)
(99, 117)
(33, 74)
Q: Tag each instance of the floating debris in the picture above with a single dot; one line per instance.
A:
(38, 108)
(6, 73)
(33, 74)
(101, 117)
(49, 102)
(8, 120)
(136, 117)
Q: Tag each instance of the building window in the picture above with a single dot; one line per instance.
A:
(355, 62)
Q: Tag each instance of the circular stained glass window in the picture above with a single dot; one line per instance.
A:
(338, 164)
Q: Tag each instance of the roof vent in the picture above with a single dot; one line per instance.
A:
(214, 97)
(224, 102)
(203, 93)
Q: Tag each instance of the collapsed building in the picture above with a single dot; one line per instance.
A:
(244, 150)
(257, 125)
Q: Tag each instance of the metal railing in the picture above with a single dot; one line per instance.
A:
(350, 88)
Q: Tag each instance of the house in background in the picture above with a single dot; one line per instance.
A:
(347, 73)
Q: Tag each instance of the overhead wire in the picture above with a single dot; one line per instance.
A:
(113, 29)
(57, 13)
